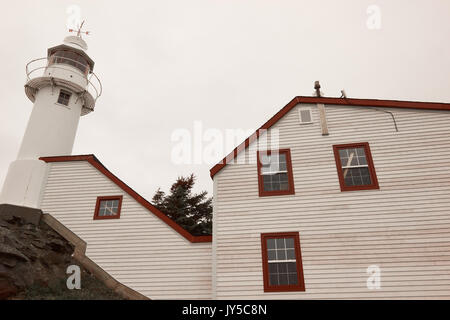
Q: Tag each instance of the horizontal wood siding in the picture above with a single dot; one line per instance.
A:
(139, 250)
(404, 227)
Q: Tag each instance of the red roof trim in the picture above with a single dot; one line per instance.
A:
(100, 167)
(331, 101)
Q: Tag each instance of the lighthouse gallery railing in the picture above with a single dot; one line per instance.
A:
(94, 85)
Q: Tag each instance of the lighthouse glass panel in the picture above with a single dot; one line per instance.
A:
(70, 58)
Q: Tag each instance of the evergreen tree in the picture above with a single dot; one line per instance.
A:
(193, 212)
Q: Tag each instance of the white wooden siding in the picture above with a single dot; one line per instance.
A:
(404, 227)
(139, 250)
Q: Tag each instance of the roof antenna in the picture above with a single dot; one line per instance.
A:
(343, 94)
(317, 88)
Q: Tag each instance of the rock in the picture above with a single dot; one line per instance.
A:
(52, 258)
(6, 250)
(38, 244)
(7, 289)
(4, 224)
(30, 227)
(57, 245)
(8, 261)
(30, 253)
(13, 220)
(4, 272)
(32, 256)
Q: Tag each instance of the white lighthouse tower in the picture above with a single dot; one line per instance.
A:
(63, 88)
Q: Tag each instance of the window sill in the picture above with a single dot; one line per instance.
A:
(106, 217)
(62, 105)
(358, 188)
(284, 289)
(276, 193)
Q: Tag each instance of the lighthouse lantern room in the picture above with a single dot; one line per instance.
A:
(63, 87)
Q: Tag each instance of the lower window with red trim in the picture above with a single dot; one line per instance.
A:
(108, 207)
(282, 262)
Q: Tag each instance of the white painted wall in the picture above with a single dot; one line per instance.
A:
(50, 131)
(139, 250)
(404, 227)
(52, 127)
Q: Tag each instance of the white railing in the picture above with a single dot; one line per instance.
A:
(94, 85)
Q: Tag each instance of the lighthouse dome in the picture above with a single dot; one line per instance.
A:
(76, 42)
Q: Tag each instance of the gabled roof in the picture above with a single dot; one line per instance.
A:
(100, 167)
(330, 101)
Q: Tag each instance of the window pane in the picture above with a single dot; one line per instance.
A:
(289, 243)
(275, 182)
(343, 153)
(292, 267)
(290, 254)
(282, 272)
(109, 208)
(360, 152)
(282, 268)
(293, 279)
(273, 268)
(270, 243)
(357, 176)
(280, 243)
(281, 254)
(273, 280)
(271, 255)
(283, 279)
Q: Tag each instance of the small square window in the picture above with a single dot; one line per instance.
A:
(64, 97)
(108, 207)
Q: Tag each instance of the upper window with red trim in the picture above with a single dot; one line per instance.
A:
(108, 207)
(355, 167)
(275, 172)
(282, 262)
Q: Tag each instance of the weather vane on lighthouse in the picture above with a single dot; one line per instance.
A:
(79, 32)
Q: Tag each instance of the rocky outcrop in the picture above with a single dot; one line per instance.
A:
(33, 264)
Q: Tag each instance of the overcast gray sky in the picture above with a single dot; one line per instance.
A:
(230, 64)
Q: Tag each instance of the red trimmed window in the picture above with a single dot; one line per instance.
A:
(108, 207)
(282, 262)
(355, 167)
(275, 173)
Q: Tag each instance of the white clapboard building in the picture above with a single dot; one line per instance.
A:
(331, 198)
